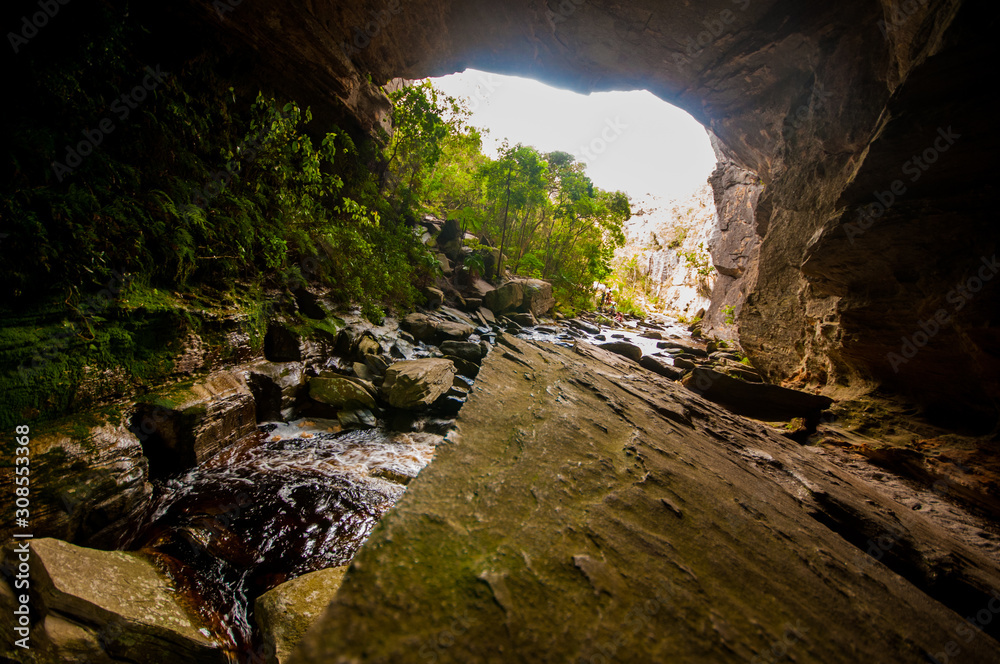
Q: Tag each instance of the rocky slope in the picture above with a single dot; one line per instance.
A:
(588, 510)
(831, 106)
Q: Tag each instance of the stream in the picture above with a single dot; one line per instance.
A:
(299, 497)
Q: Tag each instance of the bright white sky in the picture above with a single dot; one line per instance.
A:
(636, 142)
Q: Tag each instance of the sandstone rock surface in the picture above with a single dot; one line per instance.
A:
(587, 509)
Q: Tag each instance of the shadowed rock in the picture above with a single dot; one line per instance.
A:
(121, 606)
(756, 400)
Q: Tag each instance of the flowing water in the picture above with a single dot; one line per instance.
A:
(301, 498)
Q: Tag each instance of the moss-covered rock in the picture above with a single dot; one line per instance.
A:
(283, 614)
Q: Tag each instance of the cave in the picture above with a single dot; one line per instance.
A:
(853, 243)
(856, 142)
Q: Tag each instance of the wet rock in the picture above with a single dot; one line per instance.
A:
(651, 334)
(472, 304)
(392, 476)
(129, 602)
(340, 392)
(480, 288)
(683, 364)
(367, 345)
(763, 402)
(276, 388)
(744, 373)
(360, 418)
(661, 367)
(511, 326)
(416, 384)
(87, 484)
(450, 231)
(524, 295)
(487, 316)
(690, 349)
(718, 356)
(589, 328)
(464, 367)
(377, 364)
(466, 350)
(362, 371)
(631, 351)
(187, 424)
(445, 263)
(449, 405)
(524, 320)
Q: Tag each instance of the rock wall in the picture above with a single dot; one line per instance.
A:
(667, 236)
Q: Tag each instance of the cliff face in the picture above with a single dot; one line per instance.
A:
(835, 107)
(670, 240)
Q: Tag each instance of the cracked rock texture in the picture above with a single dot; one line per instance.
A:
(587, 508)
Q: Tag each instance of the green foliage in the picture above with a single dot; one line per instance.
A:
(539, 211)
(699, 260)
(678, 239)
(729, 313)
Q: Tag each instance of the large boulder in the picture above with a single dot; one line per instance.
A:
(284, 613)
(525, 295)
(112, 605)
(538, 298)
(416, 384)
(623, 348)
(433, 330)
(770, 403)
(187, 424)
(467, 350)
(276, 388)
(340, 392)
(661, 367)
(508, 297)
(87, 482)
